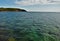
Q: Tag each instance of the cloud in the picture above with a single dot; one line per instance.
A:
(28, 2)
(34, 2)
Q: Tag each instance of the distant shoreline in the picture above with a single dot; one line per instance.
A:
(12, 10)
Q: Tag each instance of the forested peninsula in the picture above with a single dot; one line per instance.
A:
(12, 9)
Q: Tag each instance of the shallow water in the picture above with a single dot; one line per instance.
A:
(29, 26)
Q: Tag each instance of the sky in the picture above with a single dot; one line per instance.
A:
(33, 5)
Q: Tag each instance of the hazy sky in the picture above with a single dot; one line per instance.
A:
(33, 5)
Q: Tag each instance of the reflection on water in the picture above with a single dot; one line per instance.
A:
(29, 26)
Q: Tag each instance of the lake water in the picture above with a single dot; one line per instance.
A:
(29, 26)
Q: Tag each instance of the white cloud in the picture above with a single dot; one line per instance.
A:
(34, 2)
(46, 10)
(28, 2)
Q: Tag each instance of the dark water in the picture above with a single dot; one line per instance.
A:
(29, 26)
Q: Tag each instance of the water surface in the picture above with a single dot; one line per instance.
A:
(29, 26)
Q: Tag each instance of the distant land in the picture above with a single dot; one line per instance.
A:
(12, 9)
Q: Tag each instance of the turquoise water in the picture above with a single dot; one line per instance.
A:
(29, 26)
